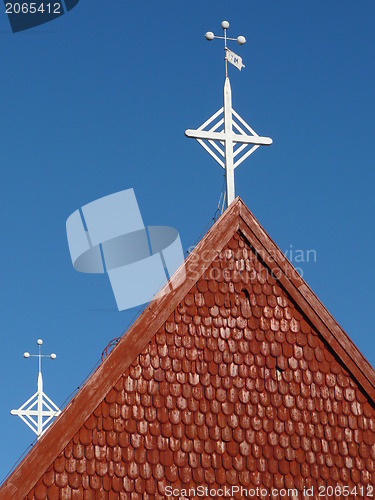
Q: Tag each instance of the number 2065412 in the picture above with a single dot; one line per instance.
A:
(33, 8)
(345, 491)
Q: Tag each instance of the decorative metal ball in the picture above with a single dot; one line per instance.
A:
(241, 40)
(209, 36)
(26, 354)
(225, 25)
(39, 341)
(53, 356)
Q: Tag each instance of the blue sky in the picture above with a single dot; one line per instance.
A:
(98, 101)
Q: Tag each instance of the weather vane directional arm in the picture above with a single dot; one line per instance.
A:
(226, 137)
(229, 55)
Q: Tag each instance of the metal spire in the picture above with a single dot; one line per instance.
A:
(225, 136)
(39, 410)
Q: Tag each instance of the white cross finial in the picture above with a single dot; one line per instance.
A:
(222, 134)
(38, 410)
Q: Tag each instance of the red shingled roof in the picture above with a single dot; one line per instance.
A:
(238, 377)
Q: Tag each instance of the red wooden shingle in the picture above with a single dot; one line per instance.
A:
(239, 377)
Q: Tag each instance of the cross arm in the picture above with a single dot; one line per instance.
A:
(220, 136)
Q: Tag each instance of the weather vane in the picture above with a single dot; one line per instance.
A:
(38, 410)
(226, 141)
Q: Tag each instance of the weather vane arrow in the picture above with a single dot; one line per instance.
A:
(222, 135)
(38, 410)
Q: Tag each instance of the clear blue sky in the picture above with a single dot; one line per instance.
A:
(98, 101)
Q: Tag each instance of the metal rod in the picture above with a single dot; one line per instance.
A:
(228, 38)
(225, 49)
(40, 359)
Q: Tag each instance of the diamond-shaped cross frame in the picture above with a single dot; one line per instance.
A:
(38, 410)
(244, 144)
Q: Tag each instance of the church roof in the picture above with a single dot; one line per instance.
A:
(239, 376)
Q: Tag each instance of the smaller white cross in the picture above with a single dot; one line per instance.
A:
(226, 136)
(38, 410)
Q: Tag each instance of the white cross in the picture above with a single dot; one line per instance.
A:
(226, 137)
(38, 410)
